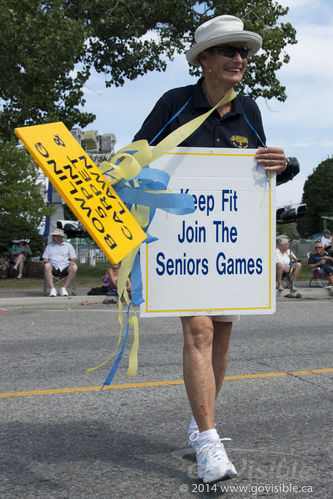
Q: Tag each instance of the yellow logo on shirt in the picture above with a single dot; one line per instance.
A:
(239, 142)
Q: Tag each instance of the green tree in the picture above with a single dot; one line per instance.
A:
(290, 229)
(21, 204)
(48, 48)
(39, 49)
(317, 194)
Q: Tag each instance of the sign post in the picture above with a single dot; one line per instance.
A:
(221, 258)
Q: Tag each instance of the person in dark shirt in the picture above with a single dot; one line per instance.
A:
(322, 261)
(221, 48)
(221, 129)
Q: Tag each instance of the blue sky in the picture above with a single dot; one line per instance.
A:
(302, 125)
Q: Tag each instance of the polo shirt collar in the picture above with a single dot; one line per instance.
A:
(199, 98)
(200, 101)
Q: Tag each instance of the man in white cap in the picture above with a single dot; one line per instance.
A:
(59, 260)
(221, 48)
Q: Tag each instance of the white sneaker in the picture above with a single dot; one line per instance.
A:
(192, 439)
(53, 292)
(63, 292)
(19, 276)
(213, 463)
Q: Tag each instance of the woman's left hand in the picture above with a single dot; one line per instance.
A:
(272, 159)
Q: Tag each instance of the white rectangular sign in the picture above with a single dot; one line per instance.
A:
(219, 260)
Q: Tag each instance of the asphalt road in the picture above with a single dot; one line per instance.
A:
(130, 442)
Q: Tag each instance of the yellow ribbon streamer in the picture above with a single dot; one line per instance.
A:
(180, 134)
(133, 356)
(129, 167)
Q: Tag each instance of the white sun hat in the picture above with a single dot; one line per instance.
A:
(57, 232)
(222, 30)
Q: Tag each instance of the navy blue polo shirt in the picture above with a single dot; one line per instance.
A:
(315, 258)
(232, 130)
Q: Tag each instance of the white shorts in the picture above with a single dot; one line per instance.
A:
(225, 318)
(221, 318)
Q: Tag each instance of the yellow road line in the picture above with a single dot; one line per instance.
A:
(155, 383)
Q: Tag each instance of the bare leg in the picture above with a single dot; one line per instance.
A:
(48, 274)
(19, 262)
(72, 269)
(221, 341)
(199, 375)
(279, 270)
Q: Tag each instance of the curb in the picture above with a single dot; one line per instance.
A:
(67, 301)
(58, 301)
(307, 294)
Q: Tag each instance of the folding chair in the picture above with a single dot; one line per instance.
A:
(285, 280)
(317, 278)
(58, 280)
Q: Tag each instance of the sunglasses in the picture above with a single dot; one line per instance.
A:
(319, 247)
(231, 51)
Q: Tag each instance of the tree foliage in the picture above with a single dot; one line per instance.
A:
(21, 204)
(39, 49)
(289, 230)
(317, 194)
(48, 48)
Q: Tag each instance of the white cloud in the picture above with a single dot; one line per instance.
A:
(311, 56)
(290, 192)
(312, 143)
(294, 4)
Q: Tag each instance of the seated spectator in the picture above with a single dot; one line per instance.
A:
(19, 253)
(110, 280)
(59, 260)
(320, 260)
(326, 239)
(285, 260)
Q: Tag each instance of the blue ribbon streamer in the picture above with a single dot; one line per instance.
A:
(114, 368)
(154, 179)
(170, 120)
(178, 204)
(136, 280)
(260, 140)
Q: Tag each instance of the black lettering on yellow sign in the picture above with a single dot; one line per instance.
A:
(73, 178)
(73, 161)
(127, 233)
(58, 141)
(110, 241)
(98, 225)
(71, 175)
(56, 170)
(83, 206)
(96, 191)
(104, 203)
(86, 193)
(85, 175)
(83, 187)
(41, 149)
(100, 212)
